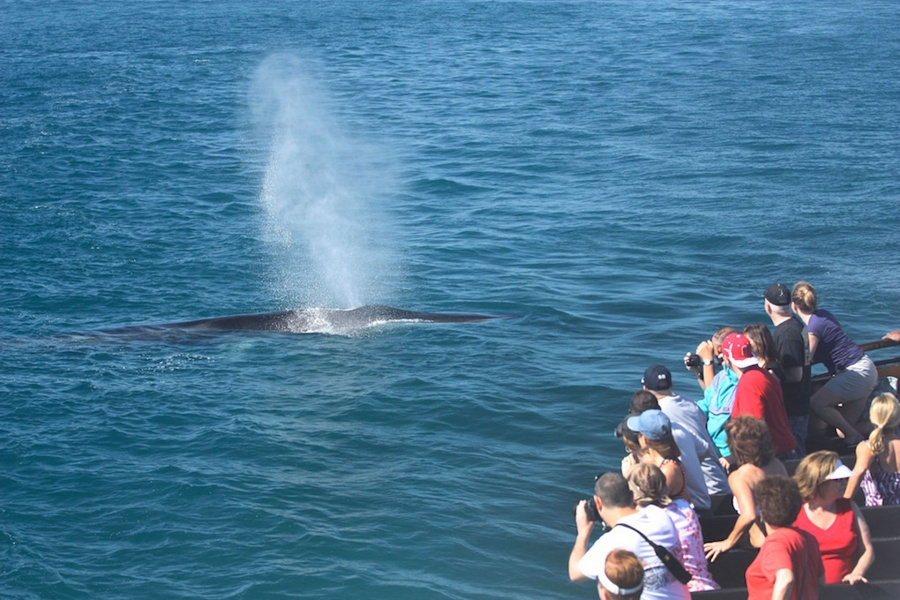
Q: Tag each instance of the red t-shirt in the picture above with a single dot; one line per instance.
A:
(758, 394)
(786, 548)
(838, 544)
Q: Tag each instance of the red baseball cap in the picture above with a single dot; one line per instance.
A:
(737, 348)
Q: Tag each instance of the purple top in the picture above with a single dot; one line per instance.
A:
(834, 349)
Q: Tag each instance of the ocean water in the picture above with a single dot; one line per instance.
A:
(623, 177)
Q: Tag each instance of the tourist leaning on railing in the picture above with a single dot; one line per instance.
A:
(792, 342)
(842, 400)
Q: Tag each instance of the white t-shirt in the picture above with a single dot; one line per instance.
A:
(655, 523)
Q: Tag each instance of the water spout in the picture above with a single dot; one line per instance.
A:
(319, 193)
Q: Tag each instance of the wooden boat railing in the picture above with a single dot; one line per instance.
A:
(884, 521)
(886, 366)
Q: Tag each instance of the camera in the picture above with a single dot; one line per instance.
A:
(692, 360)
(590, 508)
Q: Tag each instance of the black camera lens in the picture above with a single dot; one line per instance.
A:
(590, 509)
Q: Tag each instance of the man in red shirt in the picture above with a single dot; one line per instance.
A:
(758, 394)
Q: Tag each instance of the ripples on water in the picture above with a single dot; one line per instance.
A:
(624, 176)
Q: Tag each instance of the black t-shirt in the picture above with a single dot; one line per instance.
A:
(793, 344)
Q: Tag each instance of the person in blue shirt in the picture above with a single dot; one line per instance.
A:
(718, 395)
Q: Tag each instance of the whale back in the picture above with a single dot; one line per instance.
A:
(307, 320)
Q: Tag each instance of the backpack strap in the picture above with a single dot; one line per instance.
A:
(667, 558)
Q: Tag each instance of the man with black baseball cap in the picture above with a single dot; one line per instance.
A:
(792, 342)
(778, 294)
(684, 413)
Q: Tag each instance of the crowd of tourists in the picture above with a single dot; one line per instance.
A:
(725, 452)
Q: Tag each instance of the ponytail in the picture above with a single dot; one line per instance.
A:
(804, 296)
(884, 415)
(876, 440)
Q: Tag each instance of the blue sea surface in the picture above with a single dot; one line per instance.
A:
(622, 177)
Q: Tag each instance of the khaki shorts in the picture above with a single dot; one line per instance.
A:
(856, 382)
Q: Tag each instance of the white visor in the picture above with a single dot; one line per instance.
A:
(612, 588)
(841, 471)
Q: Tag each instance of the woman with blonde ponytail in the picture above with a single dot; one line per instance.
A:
(842, 401)
(880, 481)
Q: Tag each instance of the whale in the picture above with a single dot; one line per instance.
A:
(306, 320)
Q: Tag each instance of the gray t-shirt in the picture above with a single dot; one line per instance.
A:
(685, 412)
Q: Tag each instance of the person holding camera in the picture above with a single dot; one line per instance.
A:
(702, 362)
(613, 504)
(718, 392)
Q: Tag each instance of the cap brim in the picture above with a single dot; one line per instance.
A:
(841, 471)
(633, 423)
(747, 362)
